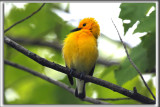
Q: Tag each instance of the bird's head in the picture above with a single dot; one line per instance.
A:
(90, 24)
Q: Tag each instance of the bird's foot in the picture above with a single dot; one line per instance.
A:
(71, 71)
(82, 75)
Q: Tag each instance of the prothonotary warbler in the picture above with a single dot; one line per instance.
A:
(80, 51)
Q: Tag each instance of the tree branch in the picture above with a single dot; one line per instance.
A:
(87, 78)
(60, 84)
(113, 99)
(57, 46)
(24, 18)
(38, 42)
(133, 62)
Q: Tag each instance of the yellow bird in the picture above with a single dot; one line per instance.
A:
(80, 51)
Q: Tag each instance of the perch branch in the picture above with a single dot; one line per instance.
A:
(24, 18)
(87, 78)
(60, 84)
(133, 62)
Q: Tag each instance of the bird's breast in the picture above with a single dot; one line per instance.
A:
(80, 51)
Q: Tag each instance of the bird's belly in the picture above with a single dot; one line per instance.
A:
(85, 58)
(84, 64)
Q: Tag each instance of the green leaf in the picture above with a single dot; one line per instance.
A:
(127, 71)
(152, 87)
(149, 43)
(147, 24)
(133, 12)
(67, 8)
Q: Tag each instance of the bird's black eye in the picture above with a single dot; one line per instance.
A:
(84, 24)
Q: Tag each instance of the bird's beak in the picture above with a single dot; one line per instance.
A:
(76, 29)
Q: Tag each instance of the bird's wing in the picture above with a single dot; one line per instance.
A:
(92, 70)
(70, 78)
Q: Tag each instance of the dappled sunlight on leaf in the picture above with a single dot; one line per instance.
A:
(54, 74)
(95, 94)
(45, 53)
(11, 95)
(50, 37)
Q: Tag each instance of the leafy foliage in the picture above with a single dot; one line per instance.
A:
(134, 12)
(41, 24)
(127, 70)
(144, 54)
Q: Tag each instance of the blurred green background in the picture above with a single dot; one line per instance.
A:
(46, 26)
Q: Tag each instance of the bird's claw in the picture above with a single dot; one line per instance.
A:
(71, 71)
(81, 75)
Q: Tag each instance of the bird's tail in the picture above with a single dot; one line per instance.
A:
(80, 89)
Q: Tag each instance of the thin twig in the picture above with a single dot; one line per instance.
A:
(133, 62)
(56, 45)
(87, 78)
(24, 18)
(60, 84)
(113, 99)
